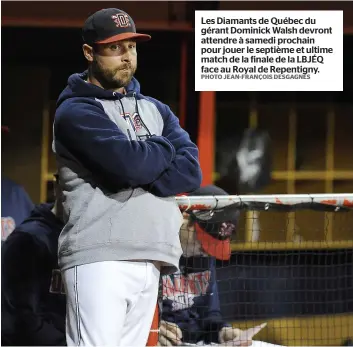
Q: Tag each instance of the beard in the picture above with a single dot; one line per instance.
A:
(111, 79)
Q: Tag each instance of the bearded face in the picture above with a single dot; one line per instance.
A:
(113, 65)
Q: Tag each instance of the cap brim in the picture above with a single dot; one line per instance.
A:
(126, 36)
(220, 249)
(228, 213)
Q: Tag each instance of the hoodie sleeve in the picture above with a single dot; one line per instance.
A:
(211, 317)
(184, 173)
(84, 130)
(21, 261)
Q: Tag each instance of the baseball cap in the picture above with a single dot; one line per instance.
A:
(214, 229)
(110, 25)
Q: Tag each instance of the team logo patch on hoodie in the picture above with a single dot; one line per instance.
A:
(137, 125)
(128, 119)
(182, 290)
(137, 121)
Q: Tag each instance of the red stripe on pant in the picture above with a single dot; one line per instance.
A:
(153, 336)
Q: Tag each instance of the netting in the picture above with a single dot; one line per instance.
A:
(291, 266)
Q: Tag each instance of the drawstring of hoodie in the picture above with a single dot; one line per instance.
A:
(122, 107)
(138, 114)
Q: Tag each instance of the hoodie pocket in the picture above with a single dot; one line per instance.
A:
(94, 226)
(148, 220)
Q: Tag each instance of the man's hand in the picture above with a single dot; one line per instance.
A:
(235, 337)
(169, 334)
(229, 334)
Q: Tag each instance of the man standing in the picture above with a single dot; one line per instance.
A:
(122, 157)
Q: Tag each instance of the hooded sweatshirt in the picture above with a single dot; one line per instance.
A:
(190, 299)
(32, 300)
(121, 159)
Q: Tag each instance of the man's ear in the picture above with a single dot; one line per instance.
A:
(88, 52)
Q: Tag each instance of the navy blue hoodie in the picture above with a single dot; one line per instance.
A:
(190, 299)
(119, 155)
(32, 301)
(134, 154)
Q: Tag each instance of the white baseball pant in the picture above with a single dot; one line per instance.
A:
(110, 303)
